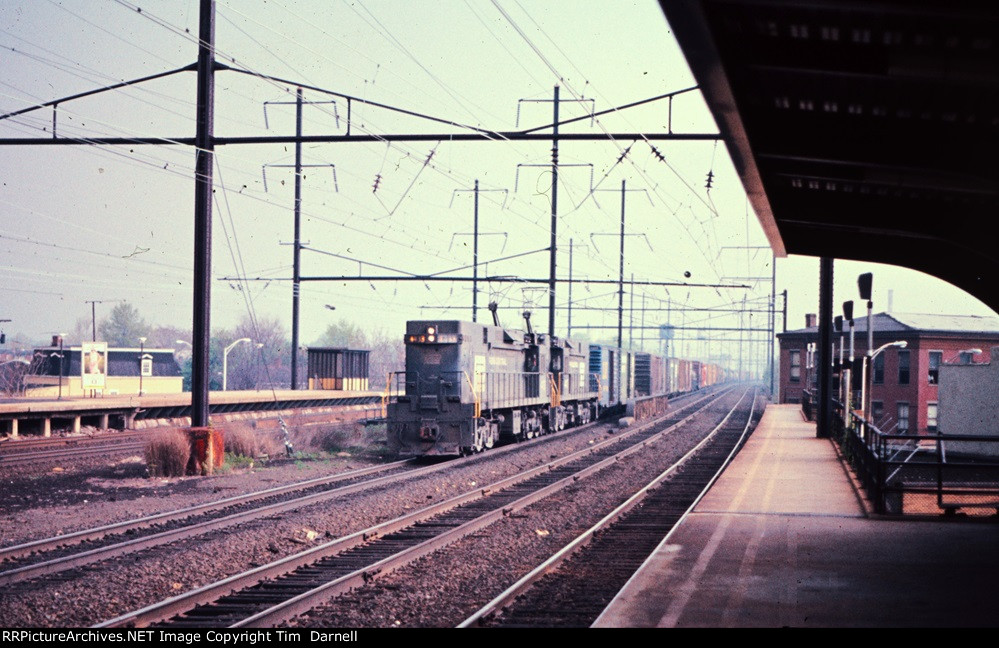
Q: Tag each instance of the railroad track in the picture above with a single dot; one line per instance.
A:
(23, 444)
(58, 554)
(28, 457)
(573, 587)
(279, 591)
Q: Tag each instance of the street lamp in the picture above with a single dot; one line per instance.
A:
(865, 393)
(225, 362)
(962, 352)
(142, 353)
(60, 355)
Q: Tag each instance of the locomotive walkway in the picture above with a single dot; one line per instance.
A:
(784, 538)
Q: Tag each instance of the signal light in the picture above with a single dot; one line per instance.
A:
(848, 310)
(864, 284)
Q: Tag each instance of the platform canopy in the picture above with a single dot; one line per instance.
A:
(862, 130)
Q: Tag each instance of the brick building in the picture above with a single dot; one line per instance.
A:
(904, 381)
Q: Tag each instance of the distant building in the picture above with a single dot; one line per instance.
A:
(904, 382)
(160, 373)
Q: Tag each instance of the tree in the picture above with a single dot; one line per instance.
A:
(343, 334)
(254, 367)
(123, 327)
(387, 350)
(82, 331)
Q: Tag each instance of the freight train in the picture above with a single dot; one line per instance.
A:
(468, 386)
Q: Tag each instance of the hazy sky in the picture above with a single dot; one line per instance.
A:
(83, 223)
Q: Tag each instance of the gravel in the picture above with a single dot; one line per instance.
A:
(444, 588)
(83, 498)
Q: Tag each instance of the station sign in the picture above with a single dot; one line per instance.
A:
(94, 364)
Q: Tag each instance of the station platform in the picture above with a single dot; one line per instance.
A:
(124, 411)
(785, 538)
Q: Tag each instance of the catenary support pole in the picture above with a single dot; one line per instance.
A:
(824, 360)
(296, 287)
(204, 159)
(554, 227)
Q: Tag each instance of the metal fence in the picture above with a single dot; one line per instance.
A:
(922, 474)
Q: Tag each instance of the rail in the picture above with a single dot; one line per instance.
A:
(605, 524)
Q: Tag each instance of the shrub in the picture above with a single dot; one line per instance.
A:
(167, 453)
(332, 438)
(241, 441)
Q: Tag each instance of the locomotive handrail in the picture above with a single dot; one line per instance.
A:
(475, 396)
(556, 395)
(387, 394)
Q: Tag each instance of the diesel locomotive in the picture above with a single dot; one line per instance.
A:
(467, 385)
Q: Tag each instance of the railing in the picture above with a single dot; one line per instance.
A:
(912, 474)
(808, 404)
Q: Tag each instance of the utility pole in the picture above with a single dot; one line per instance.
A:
(204, 158)
(620, 280)
(297, 258)
(568, 332)
(475, 257)
(631, 314)
(572, 246)
(475, 240)
(784, 293)
(620, 284)
(296, 277)
(553, 251)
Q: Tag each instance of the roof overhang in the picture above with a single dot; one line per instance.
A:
(860, 130)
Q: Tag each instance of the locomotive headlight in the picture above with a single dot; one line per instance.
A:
(431, 338)
(431, 330)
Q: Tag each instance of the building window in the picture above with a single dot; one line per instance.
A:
(147, 367)
(903, 418)
(795, 365)
(903, 367)
(965, 357)
(931, 416)
(877, 412)
(936, 357)
(878, 373)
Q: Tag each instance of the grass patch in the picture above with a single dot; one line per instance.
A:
(241, 441)
(236, 462)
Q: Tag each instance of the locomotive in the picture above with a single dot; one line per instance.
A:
(466, 385)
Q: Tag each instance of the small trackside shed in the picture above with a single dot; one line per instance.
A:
(338, 368)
